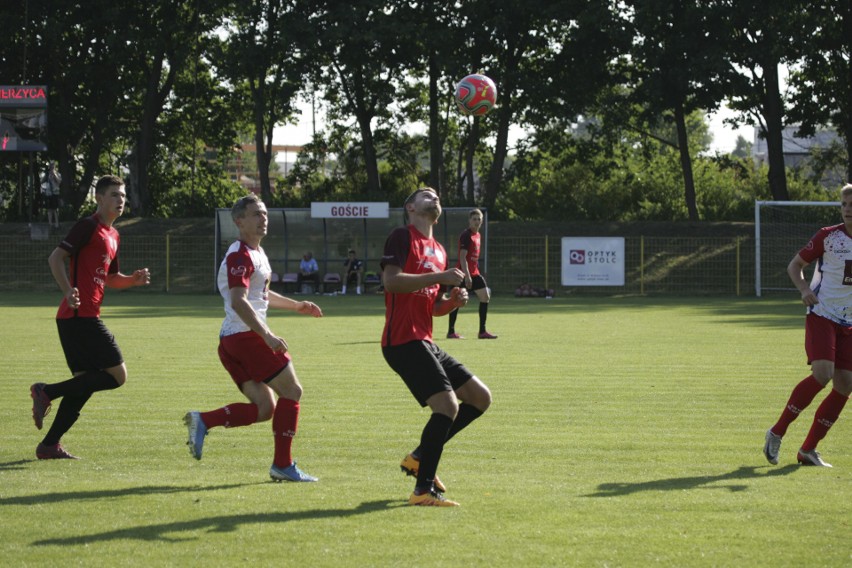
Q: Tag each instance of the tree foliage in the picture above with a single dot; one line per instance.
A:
(611, 94)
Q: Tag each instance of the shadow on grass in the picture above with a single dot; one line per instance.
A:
(681, 483)
(53, 498)
(228, 523)
(18, 464)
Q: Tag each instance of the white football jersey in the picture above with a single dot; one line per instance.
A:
(249, 268)
(831, 248)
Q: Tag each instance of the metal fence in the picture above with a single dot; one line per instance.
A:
(653, 265)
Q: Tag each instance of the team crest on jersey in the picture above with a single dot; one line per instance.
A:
(432, 252)
(238, 270)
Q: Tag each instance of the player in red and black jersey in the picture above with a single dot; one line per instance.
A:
(414, 269)
(469, 247)
(90, 349)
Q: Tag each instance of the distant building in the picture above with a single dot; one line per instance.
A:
(242, 166)
(798, 151)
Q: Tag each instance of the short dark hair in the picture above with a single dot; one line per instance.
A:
(105, 182)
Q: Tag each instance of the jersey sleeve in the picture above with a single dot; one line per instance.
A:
(79, 236)
(240, 268)
(815, 247)
(396, 248)
(465, 241)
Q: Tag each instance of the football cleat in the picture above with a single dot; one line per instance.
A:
(290, 473)
(56, 452)
(772, 446)
(430, 499)
(197, 429)
(454, 335)
(811, 458)
(410, 465)
(41, 404)
(486, 335)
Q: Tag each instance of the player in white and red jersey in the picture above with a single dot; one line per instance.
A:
(256, 358)
(468, 263)
(414, 267)
(828, 334)
(90, 349)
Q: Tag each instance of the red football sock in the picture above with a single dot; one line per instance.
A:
(803, 394)
(825, 417)
(284, 422)
(231, 416)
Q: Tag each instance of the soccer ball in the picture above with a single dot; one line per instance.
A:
(475, 95)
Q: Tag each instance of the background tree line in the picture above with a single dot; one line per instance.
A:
(612, 96)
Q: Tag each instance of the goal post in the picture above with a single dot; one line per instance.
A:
(781, 228)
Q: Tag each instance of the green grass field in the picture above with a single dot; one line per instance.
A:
(624, 432)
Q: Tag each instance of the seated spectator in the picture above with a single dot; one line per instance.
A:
(353, 269)
(309, 271)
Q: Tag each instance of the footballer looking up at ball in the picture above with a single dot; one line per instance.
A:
(256, 358)
(90, 349)
(414, 267)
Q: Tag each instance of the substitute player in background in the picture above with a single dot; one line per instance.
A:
(828, 334)
(469, 247)
(90, 349)
(255, 357)
(414, 268)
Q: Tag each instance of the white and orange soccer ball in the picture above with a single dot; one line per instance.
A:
(476, 95)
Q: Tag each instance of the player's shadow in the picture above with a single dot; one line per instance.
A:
(58, 497)
(12, 465)
(172, 532)
(682, 483)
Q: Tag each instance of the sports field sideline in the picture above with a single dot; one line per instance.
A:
(624, 431)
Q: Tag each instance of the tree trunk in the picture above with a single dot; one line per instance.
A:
(686, 164)
(773, 111)
(262, 146)
(435, 142)
(501, 148)
(156, 92)
(470, 178)
(91, 162)
(374, 184)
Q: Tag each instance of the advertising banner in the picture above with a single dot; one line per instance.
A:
(593, 261)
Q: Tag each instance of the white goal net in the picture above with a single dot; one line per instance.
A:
(781, 229)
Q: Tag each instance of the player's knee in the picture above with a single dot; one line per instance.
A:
(842, 383)
(265, 410)
(293, 391)
(483, 399)
(444, 403)
(119, 374)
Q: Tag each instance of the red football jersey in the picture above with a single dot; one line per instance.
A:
(93, 247)
(469, 241)
(408, 317)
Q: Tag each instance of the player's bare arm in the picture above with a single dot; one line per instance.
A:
(795, 270)
(468, 279)
(278, 301)
(242, 306)
(141, 277)
(398, 282)
(57, 261)
(457, 298)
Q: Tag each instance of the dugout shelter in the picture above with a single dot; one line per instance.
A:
(293, 232)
